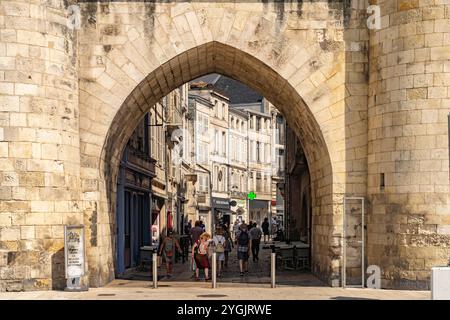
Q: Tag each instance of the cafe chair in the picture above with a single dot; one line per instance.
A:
(286, 257)
(301, 258)
(146, 258)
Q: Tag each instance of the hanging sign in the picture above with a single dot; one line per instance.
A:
(74, 251)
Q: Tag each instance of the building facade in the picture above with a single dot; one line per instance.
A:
(151, 190)
(238, 164)
(200, 110)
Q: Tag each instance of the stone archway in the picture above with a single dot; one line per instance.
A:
(163, 45)
(215, 57)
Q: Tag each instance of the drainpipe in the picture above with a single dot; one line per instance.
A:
(166, 160)
(209, 189)
(248, 165)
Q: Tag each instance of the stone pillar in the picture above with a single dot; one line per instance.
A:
(409, 100)
(39, 142)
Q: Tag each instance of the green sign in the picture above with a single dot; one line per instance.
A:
(251, 195)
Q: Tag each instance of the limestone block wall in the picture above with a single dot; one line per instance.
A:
(409, 100)
(39, 142)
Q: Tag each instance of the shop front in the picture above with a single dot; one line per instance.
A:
(133, 218)
(204, 215)
(157, 204)
(259, 209)
(239, 210)
(222, 211)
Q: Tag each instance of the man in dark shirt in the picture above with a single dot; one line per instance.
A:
(196, 232)
(265, 229)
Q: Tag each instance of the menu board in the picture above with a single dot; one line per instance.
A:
(74, 251)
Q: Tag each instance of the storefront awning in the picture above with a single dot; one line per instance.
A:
(224, 210)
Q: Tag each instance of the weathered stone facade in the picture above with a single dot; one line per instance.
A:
(409, 100)
(70, 99)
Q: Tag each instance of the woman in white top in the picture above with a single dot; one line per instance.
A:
(219, 244)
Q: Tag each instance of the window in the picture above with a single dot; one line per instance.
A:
(224, 144)
(216, 108)
(203, 185)
(216, 141)
(205, 125)
(199, 124)
(215, 180)
(224, 111)
(281, 160)
(220, 180)
(258, 182)
(202, 153)
(237, 149)
(251, 123)
(258, 154)
(262, 152)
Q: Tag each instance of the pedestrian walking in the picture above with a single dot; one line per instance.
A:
(196, 232)
(255, 236)
(274, 228)
(219, 245)
(250, 225)
(167, 249)
(265, 229)
(188, 227)
(200, 255)
(235, 228)
(228, 246)
(243, 248)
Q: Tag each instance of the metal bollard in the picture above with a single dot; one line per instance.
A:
(273, 258)
(155, 270)
(213, 271)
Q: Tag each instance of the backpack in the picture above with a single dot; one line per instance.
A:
(219, 246)
(243, 238)
(168, 248)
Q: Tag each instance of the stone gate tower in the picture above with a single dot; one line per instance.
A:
(39, 142)
(381, 134)
(408, 168)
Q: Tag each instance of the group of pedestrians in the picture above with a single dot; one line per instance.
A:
(169, 245)
(204, 247)
(246, 238)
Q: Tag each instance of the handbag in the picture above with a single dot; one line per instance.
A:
(159, 261)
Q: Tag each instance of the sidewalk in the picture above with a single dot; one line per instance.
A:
(291, 285)
(141, 290)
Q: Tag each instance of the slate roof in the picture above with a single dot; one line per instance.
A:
(236, 91)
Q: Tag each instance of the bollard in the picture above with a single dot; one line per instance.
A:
(155, 270)
(213, 271)
(273, 258)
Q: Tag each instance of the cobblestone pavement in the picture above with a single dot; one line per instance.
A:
(291, 285)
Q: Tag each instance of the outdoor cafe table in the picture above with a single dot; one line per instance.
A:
(283, 245)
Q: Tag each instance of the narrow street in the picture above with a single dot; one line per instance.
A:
(259, 273)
